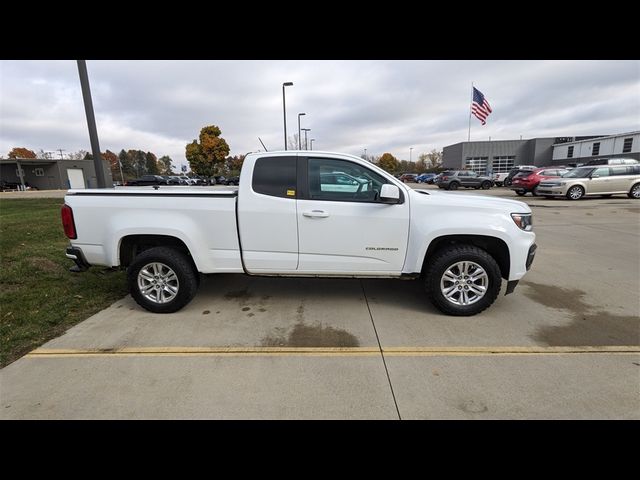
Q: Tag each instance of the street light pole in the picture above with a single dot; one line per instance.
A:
(299, 143)
(311, 143)
(284, 112)
(306, 145)
(91, 123)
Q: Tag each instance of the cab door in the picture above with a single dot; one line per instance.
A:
(267, 220)
(343, 228)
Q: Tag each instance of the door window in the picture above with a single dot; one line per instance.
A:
(601, 172)
(341, 180)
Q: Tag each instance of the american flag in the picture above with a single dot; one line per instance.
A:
(480, 107)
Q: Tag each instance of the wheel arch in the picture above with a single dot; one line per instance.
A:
(131, 245)
(494, 246)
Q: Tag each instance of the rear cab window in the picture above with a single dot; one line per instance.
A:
(275, 176)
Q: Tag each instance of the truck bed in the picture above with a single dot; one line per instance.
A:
(204, 218)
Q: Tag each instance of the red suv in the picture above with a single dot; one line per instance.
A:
(527, 181)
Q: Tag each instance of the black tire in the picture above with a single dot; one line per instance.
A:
(182, 266)
(443, 260)
(634, 192)
(453, 186)
(575, 193)
(486, 185)
(520, 193)
(507, 183)
(534, 192)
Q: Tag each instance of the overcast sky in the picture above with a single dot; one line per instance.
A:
(383, 106)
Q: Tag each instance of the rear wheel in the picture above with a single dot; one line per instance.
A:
(575, 193)
(162, 280)
(634, 192)
(534, 192)
(453, 186)
(462, 280)
(486, 185)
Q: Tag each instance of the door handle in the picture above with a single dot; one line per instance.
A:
(316, 214)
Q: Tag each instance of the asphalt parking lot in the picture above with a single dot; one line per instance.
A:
(565, 345)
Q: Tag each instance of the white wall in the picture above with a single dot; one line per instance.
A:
(608, 146)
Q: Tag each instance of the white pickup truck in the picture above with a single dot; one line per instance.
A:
(308, 214)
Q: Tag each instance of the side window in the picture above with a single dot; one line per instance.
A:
(275, 176)
(341, 180)
(601, 172)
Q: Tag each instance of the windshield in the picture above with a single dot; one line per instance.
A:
(582, 172)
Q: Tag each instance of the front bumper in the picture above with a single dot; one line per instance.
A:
(77, 256)
(551, 191)
(511, 284)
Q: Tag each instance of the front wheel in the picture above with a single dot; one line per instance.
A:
(162, 280)
(634, 192)
(453, 186)
(575, 193)
(462, 280)
(486, 185)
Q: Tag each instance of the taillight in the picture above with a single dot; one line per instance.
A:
(67, 222)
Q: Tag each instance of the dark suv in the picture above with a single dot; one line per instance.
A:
(453, 179)
(147, 180)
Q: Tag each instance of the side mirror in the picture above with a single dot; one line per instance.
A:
(390, 194)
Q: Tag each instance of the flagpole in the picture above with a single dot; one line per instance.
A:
(470, 107)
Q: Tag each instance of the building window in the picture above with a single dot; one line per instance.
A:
(477, 164)
(503, 164)
(570, 152)
(596, 149)
(626, 147)
(39, 172)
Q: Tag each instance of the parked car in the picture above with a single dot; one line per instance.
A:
(594, 180)
(171, 180)
(612, 161)
(514, 171)
(220, 179)
(147, 180)
(454, 179)
(425, 177)
(408, 177)
(8, 186)
(527, 181)
(233, 181)
(498, 178)
(283, 221)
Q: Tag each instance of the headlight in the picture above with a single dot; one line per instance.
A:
(524, 221)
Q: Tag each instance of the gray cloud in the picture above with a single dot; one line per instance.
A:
(350, 105)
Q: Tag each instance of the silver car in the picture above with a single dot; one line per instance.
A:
(594, 180)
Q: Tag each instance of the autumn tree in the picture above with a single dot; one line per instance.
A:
(20, 152)
(207, 157)
(388, 162)
(112, 158)
(234, 164)
(164, 164)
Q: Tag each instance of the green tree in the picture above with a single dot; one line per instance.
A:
(207, 157)
(164, 164)
(433, 159)
(127, 165)
(151, 164)
(388, 162)
(20, 152)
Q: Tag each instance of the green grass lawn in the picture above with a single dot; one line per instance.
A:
(39, 297)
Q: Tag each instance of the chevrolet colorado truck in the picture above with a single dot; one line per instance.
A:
(306, 214)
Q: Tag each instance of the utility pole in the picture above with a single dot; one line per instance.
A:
(91, 123)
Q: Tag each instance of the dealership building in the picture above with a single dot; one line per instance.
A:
(502, 155)
(52, 174)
